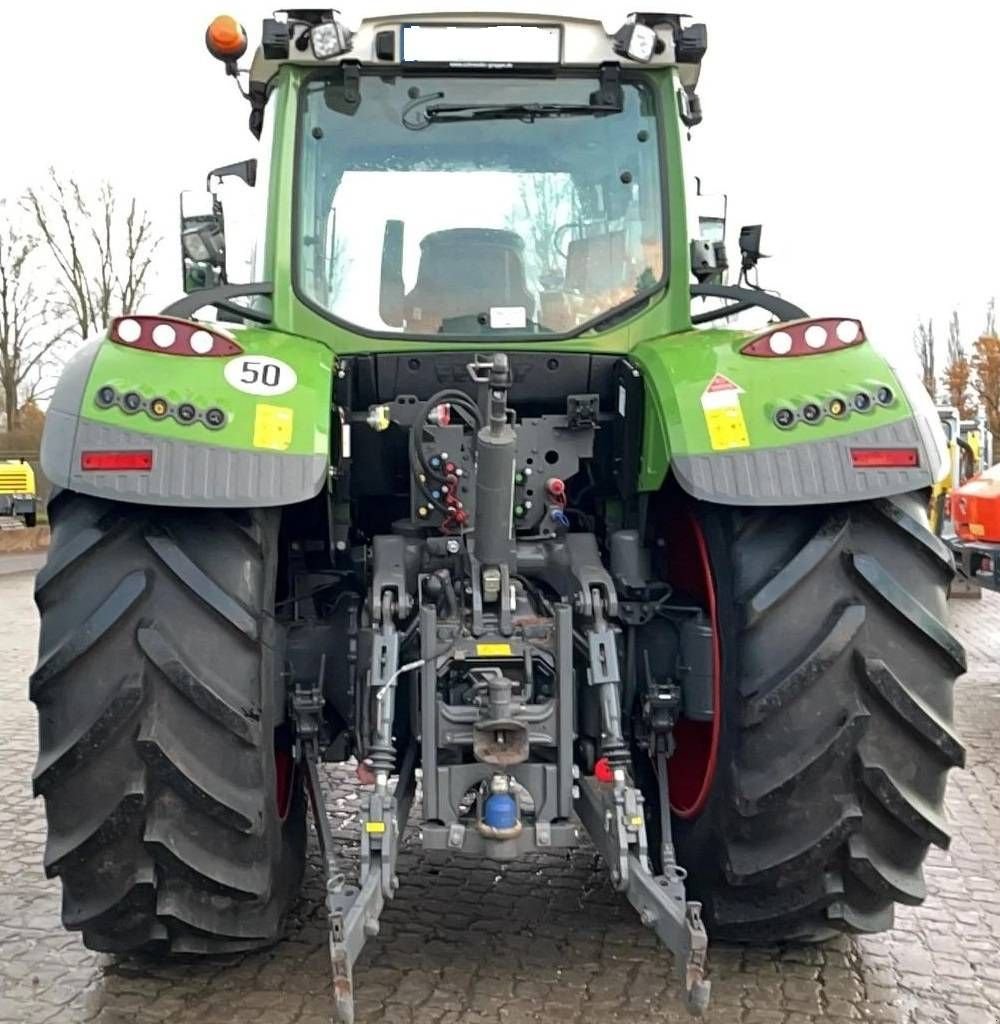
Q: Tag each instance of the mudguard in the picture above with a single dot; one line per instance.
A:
(270, 445)
(710, 419)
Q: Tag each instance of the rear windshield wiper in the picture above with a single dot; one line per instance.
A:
(451, 113)
(442, 113)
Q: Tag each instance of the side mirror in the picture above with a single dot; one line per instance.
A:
(203, 241)
(750, 249)
(392, 290)
(203, 228)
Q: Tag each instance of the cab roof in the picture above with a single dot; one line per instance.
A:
(495, 40)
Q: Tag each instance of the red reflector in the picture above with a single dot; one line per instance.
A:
(113, 461)
(884, 458)
(603, 771)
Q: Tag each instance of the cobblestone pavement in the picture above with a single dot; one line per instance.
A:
(543, 940)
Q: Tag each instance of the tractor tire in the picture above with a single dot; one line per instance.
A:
(836, 676)
(175, 820)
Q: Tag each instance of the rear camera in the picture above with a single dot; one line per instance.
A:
(186, 413)
(215, 418)
(862, 401)
(884, 396)
(811, 412)
(132, 402)
(784, 418)
(106, 397)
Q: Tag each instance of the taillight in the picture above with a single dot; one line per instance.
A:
(141, 461)
(884, 458)
(807, 338)
(171, 335)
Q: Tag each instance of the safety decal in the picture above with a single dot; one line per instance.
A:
(260, 375)
(720, 402)
(272, 427)
(494, 651)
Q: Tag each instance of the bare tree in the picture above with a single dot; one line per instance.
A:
(957, 374)
(923, 344)
(986, 382)
(26, 339)
(101, 249)
(546, 204)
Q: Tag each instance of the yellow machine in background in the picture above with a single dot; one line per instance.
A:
(18, 496)
(971, 446)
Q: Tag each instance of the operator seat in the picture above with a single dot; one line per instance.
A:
(465, 272)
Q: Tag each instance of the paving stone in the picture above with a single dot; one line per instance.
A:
(545, 939)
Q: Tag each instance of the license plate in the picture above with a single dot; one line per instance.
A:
(459, 45)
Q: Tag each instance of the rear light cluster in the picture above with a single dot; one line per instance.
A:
(172, 336)
(807, 338)
(132, 403)
(815, 411)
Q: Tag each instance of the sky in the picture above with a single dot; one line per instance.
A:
(861, 135)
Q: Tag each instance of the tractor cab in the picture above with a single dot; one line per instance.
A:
(508, 176)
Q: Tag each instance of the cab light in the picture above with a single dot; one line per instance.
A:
(172, 336)
(807, 338)
(328, 39)
(106, 462)
(226, 38)
(885, 458)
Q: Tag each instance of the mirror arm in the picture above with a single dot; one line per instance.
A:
(245, 170)
(186, 308)
(744, 298)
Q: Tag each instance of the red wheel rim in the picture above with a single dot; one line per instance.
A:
(284, 775)
(691, 769)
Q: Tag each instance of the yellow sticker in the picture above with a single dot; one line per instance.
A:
(494, 651)
(377, 827)
(636, 820)
(272, 427)
(720, 402)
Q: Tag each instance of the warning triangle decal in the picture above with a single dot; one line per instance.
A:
(721, 383)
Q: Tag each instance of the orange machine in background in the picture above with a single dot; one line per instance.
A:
(975, 508)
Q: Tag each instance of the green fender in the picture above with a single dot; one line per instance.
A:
(710, 421)
(272, 448)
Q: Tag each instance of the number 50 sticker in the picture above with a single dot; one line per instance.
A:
(260, 375)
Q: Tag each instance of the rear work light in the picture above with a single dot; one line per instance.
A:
(885, 458)
(807, 338)
(114, 462)
(172, 336)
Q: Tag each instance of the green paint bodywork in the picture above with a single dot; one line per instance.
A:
(202, 382)
(677, 361)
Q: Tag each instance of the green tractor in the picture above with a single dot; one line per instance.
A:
(461, 489)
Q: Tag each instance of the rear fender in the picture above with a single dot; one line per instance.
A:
(273, 447)
(710, 420)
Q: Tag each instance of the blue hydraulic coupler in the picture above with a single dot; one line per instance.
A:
(500, 811)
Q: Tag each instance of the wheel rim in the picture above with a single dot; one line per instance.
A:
(284, 776)
(691, 768)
